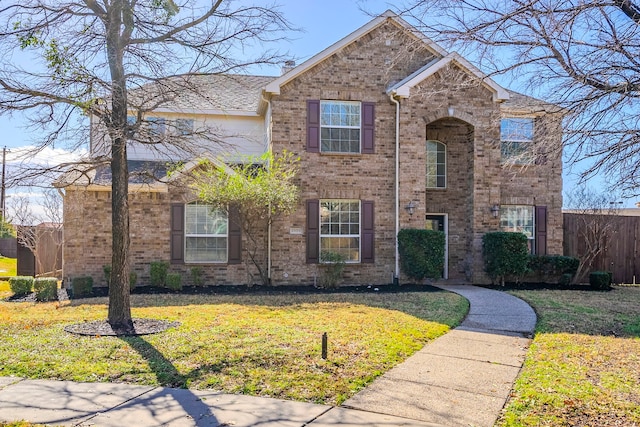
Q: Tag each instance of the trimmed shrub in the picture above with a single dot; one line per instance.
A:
(133, 280)
(107, 273)
(133, 277)
(333, 264)
(421, 253)
(197, 276)
(505, 254)
(82, 286)
(553, 268)
(46, 288)
(21, 285)
(174, 281)
(158, 273)
(600, 280)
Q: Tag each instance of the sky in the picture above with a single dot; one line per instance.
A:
(321, 27)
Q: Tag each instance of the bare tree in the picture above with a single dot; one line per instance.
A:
(103, 59)
(582, 56)
(597, 219)
(34, 228)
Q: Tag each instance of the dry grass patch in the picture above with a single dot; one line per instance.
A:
(266, 345)
(582, 367)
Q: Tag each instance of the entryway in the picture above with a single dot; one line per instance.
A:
(440, 222)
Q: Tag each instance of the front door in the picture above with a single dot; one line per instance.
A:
(439, 222)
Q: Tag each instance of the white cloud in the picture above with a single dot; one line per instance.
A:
(47, 156)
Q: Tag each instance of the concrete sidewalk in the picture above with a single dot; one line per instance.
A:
(460, 379)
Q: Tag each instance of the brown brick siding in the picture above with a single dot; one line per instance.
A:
(448, 107)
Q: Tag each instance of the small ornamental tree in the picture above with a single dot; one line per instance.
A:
(505, 254)
(261, 190)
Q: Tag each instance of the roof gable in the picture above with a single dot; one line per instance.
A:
(403, 88)
(274, 86)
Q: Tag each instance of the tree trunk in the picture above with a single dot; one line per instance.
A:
(119, 292)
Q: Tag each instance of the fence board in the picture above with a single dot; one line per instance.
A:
(620, 254)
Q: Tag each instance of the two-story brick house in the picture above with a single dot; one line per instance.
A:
(392, 132)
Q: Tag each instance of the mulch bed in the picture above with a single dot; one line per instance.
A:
(103, 328)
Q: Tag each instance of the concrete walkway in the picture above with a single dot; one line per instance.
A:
(461, 379)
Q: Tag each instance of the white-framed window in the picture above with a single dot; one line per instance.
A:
(516, 139)
(340, 126)
(520, 219)
(206, 234)
(436, 164)
(340, 228)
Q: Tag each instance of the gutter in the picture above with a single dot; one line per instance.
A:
(396, 273)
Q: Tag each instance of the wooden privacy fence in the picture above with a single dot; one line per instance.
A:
(620, 252)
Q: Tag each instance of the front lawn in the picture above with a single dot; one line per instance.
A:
(266, 344)
(583, 366)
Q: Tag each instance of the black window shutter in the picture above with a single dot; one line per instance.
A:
(368, 127)
(367, 233)
(177, 233)
(313, 231)
(234, 236)
(313, 126)
(541, 230)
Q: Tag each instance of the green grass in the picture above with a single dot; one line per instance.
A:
(266, 345)
(7, 267)
(582, 367)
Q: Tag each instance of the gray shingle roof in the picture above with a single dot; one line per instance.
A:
(225, 92)
(520, 102)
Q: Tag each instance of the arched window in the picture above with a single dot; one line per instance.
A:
(436, 164)
(206, 231)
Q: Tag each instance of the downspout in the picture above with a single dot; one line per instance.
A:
(396, 274)
(268, 124)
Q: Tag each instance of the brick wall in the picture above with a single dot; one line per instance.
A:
(448, 107)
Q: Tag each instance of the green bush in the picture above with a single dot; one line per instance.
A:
(197, 276)
(133, 277)
(158, 273)
(600, 280)
(565, 279)
(174, 281)
(553, 267)
(133, 280)
(421, 253)
(333, 264)
(46, 288)
(21, 285)
(505, 254)
(82, 286)
(107, 273)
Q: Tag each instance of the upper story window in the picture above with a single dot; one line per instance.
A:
(340, 126)
(516, 139)
(436, 164)
(184, 126)
(205, 234)
(156, 125)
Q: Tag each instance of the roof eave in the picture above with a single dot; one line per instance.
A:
(403, 88)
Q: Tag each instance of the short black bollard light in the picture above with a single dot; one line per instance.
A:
(324, 346)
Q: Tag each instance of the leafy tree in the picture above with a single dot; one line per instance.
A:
(6, 229)
(260, 191)
(583, 56)
(108, 60)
